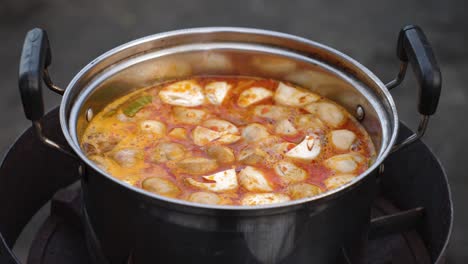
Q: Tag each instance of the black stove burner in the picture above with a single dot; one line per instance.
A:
(411, 219)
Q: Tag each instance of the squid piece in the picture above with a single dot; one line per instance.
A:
(219, 182)
(156, 128)
(197, 165)
(308, 149)
(273, 112)
(264, 198)
(253, 95)
(291, 96)
(344, 163)
(255, 133)
(183, 93)
(216, 92)
(161, 186)
(178, 133)
(252, 156)
(286, 128)
(290, 172)
(253, 180)
(202, 136)
(303, 190)
(338, 180)
(221, 153)
(204, 198)
(126, 157)
(167, 151)
(331, 114)
(188, 116)
(342, 139)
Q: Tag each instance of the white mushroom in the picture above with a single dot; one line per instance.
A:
(308, 149)
(219, 182)
(252, 156)
(125, 157)
(178, 133)
(183, 93)
(154, 127)
(187, 115)
(228, 138)
(160, 186)
(342, 139)
(166, 151)
(216, 92)
(284, 127)
(338, 180)
(309, 122)
(290, 172)
(344, 163)
(254, 132)
(264, 198)
(253, 180)
(204, 198)
(328, 112)
(221, 153)
(288, 95)
(303, 190)
(221, 126)
(253, 95)
(202, 136)
(274, 112)
(196, 165)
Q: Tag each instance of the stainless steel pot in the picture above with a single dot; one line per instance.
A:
(125, 221)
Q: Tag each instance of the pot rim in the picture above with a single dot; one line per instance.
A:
(293, 203)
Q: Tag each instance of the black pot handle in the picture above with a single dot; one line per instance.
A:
(414, 48)
(35, 58)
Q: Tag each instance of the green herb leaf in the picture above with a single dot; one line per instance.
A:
(133, 107)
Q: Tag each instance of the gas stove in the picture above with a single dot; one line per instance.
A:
(411, 219)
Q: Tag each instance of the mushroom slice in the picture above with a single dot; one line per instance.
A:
(188, 116)
(327, 112)
(288, 95)
(216, 92)
(303, 190)
(264, 198)
(160, 186)
(308, 149)
(338, 180)
(221, 126)
(252, 156)
(202, 135)
(286, 128)
(178, 133)
(166, 151)
(255, 132)
(228, 138)
(204, 198)
(183, 93)
(154, 127)
(125, 157)
(274, 112)
(344, 163)
(197, 165)
(253, 95)
(342, 139)
(221, 153)
(220, 182)
(309, 122)
(290, 172)
(253, 180)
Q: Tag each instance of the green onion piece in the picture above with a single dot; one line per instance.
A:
(133, 107)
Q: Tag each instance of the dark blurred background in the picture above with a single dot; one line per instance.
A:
(367, 30)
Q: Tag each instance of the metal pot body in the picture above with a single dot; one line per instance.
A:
(144, 230)
(128, 221)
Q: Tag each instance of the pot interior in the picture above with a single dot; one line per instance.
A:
(230, 51)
